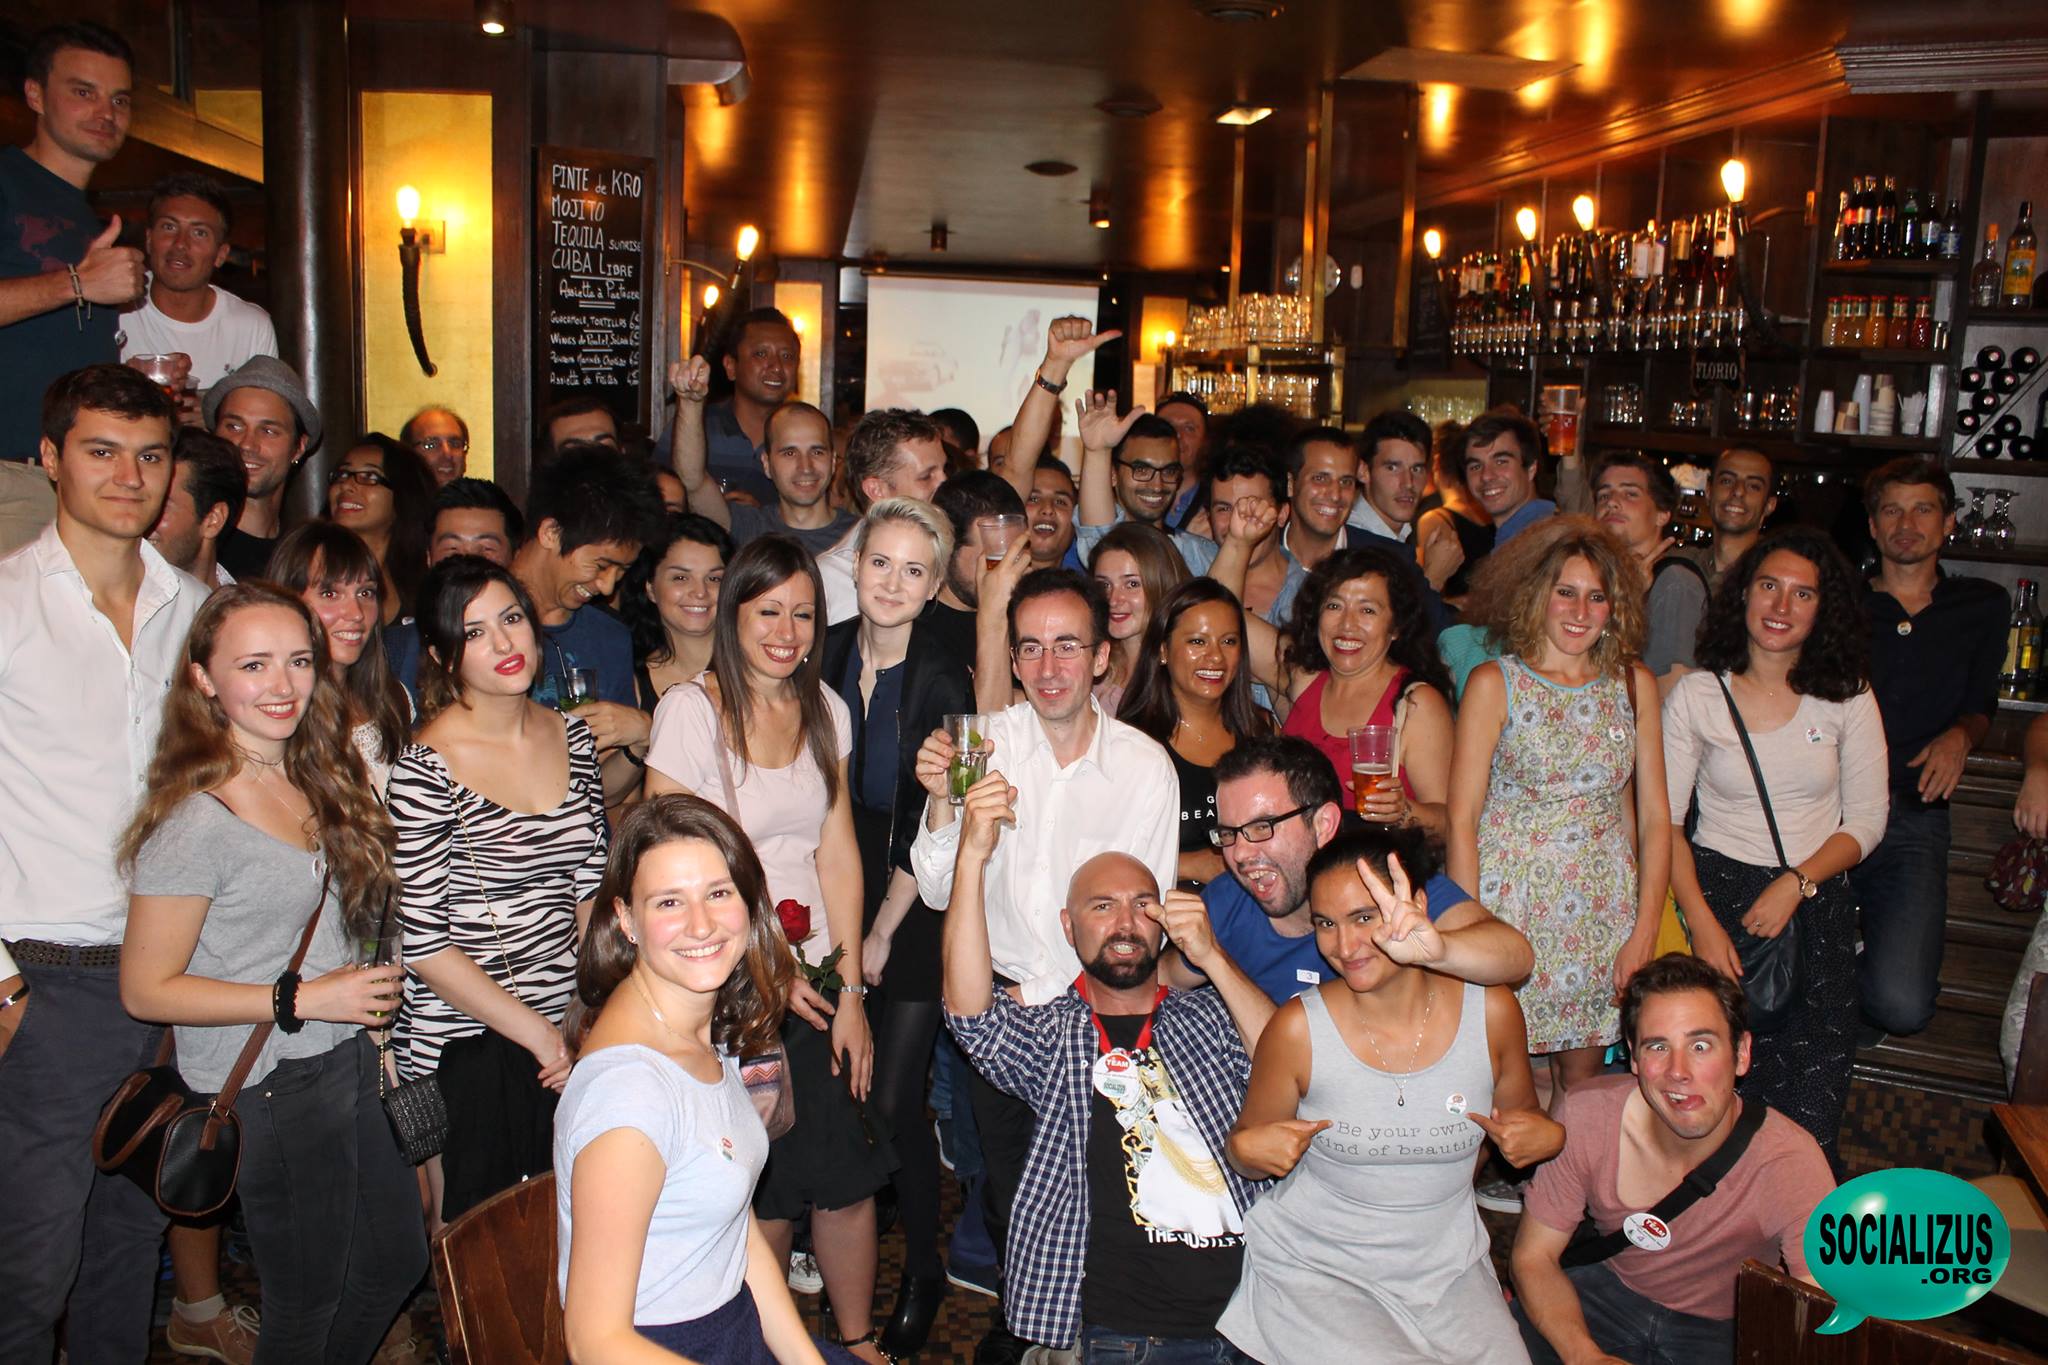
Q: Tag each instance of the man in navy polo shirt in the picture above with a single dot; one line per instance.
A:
(1277, 802)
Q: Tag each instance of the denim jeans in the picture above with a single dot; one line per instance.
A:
(333, 1210)
(1630, 1327)
(76, 1236)
(1902, 889)
(1100, 1346)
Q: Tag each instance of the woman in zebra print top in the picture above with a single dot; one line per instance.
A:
(501, 843)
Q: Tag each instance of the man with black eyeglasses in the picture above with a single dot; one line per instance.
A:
(1085, 784)
(441, 438)
(1130, 468)
(1277, 802)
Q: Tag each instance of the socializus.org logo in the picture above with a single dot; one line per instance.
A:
(1904, 1245)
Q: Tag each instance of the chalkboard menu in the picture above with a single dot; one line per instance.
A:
(596, 215)
(1429, 329)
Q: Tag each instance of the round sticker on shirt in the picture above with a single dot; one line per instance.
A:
(1647, 1231)
(1455, 1104)
(1113, 1075)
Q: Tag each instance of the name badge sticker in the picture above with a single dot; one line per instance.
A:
(1455, 1104)
(1647, 1231)
(1308, 977)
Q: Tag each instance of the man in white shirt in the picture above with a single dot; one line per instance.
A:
(893, 453)
(1085, 784)
(92, 629)
(183, 311)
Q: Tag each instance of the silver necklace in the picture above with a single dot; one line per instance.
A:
(305, 822)
(1401, 1079)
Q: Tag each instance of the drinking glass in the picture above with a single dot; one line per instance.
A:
(997, 534)
(969, 731)
(1372, 762)
(161, 370)
(1999, 532)
(379, 948)
(579, 686)
(1972, 525)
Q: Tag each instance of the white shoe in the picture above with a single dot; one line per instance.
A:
(803, 1273)
(1501, 1196)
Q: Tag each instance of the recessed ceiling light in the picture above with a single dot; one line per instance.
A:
(1244, 115)
(1098, 208)
(494, 17)
(1051, 168)
(1129, 104)
(1238, 11)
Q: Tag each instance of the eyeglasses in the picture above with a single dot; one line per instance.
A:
(1031, 651)
(458, 444)
(1142, 472)
(369, 477)
(1254, 831)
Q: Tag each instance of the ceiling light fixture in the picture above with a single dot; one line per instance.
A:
(1525, 223)
(1238, 11)
(1433, 243)
(1051, 168)
(1098, 208)
(1585, 210)
(1735, 178)
(1244, 115)
(494, 17)
(938, 236)
(1132, 104)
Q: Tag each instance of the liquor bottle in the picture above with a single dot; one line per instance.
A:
(2026, 360)
(2022, 647)
(1838, 248)
(2018, 290)
(1952, 232)
(1988, 277)
(1856, 220)
(1991, 357)
(1887, 220)
(1910, 243)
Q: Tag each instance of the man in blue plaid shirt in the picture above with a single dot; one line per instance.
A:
(1128, 1228)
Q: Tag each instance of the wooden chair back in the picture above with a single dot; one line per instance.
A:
(495, 1268)
(1775, 1316)
(2030, 1070)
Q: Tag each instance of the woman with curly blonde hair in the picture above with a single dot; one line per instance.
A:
(260, 818)
(1549, 735)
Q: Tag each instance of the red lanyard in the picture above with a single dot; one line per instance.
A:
(1102, 1034)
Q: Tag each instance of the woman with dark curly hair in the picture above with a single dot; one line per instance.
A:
(1192, 692)
(669, 599)
(1357, 651)
(384, 492)
(1137, 565)
(1783, 655)
(1549, 736)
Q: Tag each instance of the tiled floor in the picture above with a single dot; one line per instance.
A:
(1886, 1127)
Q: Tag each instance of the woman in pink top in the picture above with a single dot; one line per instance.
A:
(1357, 653)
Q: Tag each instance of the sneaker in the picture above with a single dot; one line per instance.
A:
(1501, 1196)
(979, 1279)
(403, 1345)
(229, 1335)
(803, 1273)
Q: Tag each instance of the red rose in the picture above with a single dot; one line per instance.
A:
(796, 920)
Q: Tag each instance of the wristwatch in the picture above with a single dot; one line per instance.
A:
(1808, 887)
(1054, 389)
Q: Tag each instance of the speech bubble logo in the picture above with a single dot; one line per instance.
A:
(1904, 1245)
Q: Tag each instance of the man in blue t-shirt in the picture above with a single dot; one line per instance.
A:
(1277, 802)
(587, 515)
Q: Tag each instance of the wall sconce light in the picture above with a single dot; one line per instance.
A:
(1432, 243)
(1525, 223)
(1734, 178)
(494, 17)
(749, 239)
(1585, 210)
(710, 297)
(411, 242)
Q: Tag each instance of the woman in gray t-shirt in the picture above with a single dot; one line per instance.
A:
(259, 817)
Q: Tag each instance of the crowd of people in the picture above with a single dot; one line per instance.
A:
(1342, 836)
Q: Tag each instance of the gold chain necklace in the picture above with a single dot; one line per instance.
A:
(305, 822)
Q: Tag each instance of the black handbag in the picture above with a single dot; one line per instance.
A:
(416, 1111)
(184, 1151)
(1773, 969)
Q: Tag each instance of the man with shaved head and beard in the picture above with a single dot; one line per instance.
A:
(1132, 1084)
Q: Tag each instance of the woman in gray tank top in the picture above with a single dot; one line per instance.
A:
(1372, 1095)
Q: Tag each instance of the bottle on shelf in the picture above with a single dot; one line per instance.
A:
(2018, 288)
(1838, 247)
(1951, 247)
(1988, 277)
(1910, 219)
(2022, 647)
(1887, 245)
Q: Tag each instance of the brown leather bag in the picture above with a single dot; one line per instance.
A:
(184, 1151)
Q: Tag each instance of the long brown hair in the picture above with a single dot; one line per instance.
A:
(1513, 585)
(341, 557)
(762, 566)
(195, 754)
(750, 1004)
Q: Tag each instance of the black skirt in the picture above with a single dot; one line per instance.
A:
(837, 1152)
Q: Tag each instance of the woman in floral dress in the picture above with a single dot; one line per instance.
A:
(1548, 737)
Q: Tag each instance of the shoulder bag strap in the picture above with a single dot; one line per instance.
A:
(1756, 771)
(1699, 1182)
(476, 870)
(225, 1100)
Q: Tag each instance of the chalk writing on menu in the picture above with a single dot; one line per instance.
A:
(594, 217)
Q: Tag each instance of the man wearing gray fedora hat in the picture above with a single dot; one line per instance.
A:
(263, 409)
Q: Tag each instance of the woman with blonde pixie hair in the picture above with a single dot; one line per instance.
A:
(1548, 738)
